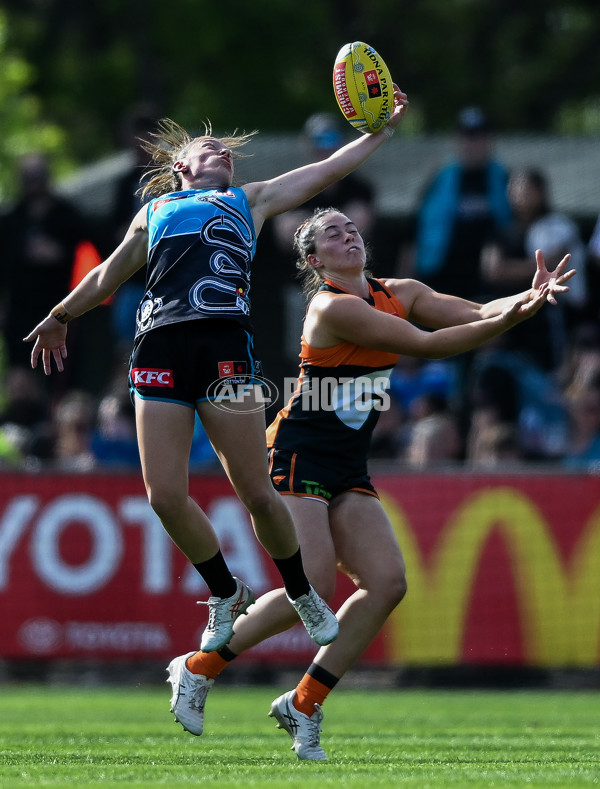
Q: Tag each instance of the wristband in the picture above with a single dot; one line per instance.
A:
(388, 131)
(60, 313)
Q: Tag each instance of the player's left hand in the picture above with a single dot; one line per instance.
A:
(50, 343)
(555, 280)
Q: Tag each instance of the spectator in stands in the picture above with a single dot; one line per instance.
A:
(74, 419)
(583, 358)
(114, 441)
(462, 205)
(583, 446)
(25, 415)
(24, 403)
(434, 435)
(519, 393)
(39, 235)
(508, 263)
(413, 378)
(492, 441)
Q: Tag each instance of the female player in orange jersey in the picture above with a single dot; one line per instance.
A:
(355, 328)
(197, 237)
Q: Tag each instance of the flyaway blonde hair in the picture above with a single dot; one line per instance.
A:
(170, 143)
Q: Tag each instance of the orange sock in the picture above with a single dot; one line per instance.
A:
(210, 664)
(308, 693)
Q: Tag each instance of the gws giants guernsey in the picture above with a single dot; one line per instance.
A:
(200, 246)
(340, 393)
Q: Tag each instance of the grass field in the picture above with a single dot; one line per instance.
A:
(54, 736)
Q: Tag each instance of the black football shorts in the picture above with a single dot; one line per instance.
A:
(192, 361)
(293, 475)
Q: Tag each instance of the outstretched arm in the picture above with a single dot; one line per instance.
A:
(101, 282)
(334, 318)
(295, 187)
(437, 310)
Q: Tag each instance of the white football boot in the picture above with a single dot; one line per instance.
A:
(222, 613)
(189, 694)
(304, 731)
(317, 617)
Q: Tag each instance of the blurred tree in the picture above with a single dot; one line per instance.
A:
(21, 121)
(535, 66)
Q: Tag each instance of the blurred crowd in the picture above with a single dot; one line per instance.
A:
(531, 396)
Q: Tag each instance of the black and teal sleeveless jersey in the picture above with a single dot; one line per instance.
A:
(201, 243)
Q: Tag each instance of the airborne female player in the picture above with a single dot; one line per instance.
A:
(197, 238)
(355, 328)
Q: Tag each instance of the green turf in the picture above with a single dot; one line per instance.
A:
(52, 736)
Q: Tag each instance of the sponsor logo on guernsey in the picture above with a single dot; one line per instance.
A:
(227, 369)
(151, 377)
(163, 200)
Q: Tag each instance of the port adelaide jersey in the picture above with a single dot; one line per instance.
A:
(340, 393)
(200, 246)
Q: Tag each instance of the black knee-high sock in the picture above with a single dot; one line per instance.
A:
(293, 575)
(217, 575)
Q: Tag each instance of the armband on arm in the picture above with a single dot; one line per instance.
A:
(60, 313)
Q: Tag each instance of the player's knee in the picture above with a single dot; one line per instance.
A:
(166, 502)
(391, 586)
(261, 503)
(400, 587)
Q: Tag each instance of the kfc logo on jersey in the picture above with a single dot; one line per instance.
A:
(227, 369)
(151, 377)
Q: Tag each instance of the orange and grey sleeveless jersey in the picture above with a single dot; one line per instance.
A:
(340, 392)
(200, 246)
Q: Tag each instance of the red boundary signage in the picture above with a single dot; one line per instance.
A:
(501, 570)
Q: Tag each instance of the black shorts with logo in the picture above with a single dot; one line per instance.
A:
(295, 475)
(185, 362)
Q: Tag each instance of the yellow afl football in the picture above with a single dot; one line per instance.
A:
(363, 87)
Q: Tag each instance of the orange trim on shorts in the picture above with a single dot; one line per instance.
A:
(292, 467)
(312, 496)
(316, 497)
(363, 490)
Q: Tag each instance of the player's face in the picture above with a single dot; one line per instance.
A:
(209, 163)
(338, 244)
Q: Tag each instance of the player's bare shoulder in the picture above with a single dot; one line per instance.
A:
(336, 310)
(140, 220)
(326, 316)
(406, 290)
